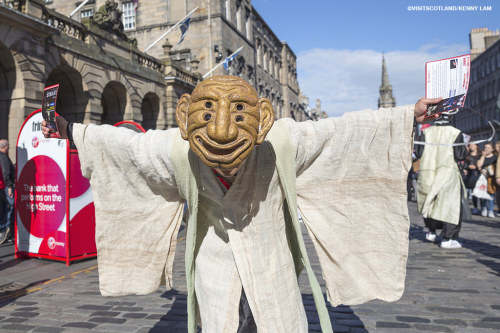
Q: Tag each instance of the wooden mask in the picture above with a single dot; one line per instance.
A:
(223, 120)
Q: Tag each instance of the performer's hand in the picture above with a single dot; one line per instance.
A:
(61, 126)
(498, 181)
(421, 109)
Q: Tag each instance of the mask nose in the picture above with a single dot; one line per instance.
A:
(222, 130)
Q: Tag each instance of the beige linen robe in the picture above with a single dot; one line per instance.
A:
(439, 181)
(351, 190)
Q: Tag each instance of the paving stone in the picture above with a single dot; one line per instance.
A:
(387, 324)
(80, 325)
(127, 308)
(135, 315)
(120, 303)
(350, 322)
(15, 320)
(451, 322)
(107, 320)
(432, 328)
(469, 291)
(95, 307)
(49, 329)
(17, 327)
(104, 314)
(27, 308)
(486, 324)
(410, 319)
(24, 314)
(493, 319)
(453, 310)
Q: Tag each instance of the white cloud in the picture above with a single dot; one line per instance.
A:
(349, 80)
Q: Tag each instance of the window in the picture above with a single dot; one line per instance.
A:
(86, 13)
(128, 16)
(228, 10)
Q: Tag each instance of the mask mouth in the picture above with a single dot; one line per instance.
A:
(217, 149)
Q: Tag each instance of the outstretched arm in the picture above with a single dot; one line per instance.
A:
(62, 125)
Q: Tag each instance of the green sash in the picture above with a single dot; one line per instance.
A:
(186, 176)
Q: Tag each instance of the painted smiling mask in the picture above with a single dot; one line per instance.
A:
(223, 119)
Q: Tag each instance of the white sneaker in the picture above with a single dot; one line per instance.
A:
(451, 244)
(430, 236)
(491, 215)
(484, 212)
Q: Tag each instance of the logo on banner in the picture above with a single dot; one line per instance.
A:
(35, 141)
(51, 242)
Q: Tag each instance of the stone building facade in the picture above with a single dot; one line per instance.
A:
(103, 79)
(217, 29)
(483, 96)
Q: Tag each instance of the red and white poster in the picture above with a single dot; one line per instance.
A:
(449, 79)
(51, 196)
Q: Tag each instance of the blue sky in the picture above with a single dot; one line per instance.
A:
(339, 44)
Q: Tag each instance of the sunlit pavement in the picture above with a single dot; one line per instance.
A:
(446, 291)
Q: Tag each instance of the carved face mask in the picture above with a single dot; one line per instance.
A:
(223, 120)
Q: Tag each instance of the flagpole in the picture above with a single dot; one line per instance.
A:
(78, 8)
(209, 34)
(169, 30)
(219, 64)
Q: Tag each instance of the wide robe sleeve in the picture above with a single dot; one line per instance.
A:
(137, 205)
(351, 192)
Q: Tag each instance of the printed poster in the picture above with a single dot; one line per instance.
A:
(449, 79)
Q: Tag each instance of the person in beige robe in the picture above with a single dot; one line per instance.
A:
(355, 211)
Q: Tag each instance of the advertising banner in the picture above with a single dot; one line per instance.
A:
(55, 216)
(41, 191)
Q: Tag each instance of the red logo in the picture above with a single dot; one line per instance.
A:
(51, 242)
(35, 141)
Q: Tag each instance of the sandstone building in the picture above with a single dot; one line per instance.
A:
(97, 58)
(217, 29)
(483, 95)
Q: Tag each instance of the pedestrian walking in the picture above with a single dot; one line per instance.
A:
(9, 177)
(486, 165)
(440, 186)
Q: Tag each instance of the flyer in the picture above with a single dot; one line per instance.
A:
(49, 109)
(449, 79)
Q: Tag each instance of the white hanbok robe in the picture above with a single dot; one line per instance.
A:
(351, 191)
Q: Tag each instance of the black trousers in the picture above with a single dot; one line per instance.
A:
(247, 323)
(448, 230)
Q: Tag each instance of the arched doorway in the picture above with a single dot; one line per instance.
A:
(71, 98)
(114, 101)
(7, 86)
(150, 109)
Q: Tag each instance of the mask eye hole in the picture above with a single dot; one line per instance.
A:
(208, 105)
(207, 116)
(239, 107)
(239, 119)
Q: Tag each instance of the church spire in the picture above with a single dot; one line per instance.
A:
(386, 100)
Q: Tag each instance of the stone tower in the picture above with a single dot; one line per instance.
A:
(386, 100)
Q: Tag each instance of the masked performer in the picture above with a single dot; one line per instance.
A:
(242, 179)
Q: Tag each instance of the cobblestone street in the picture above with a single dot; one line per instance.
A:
(446, 291)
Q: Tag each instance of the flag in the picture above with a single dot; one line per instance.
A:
(227, 61)
(184, 28)
(135, 4)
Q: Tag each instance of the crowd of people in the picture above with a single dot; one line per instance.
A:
(483, 192)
